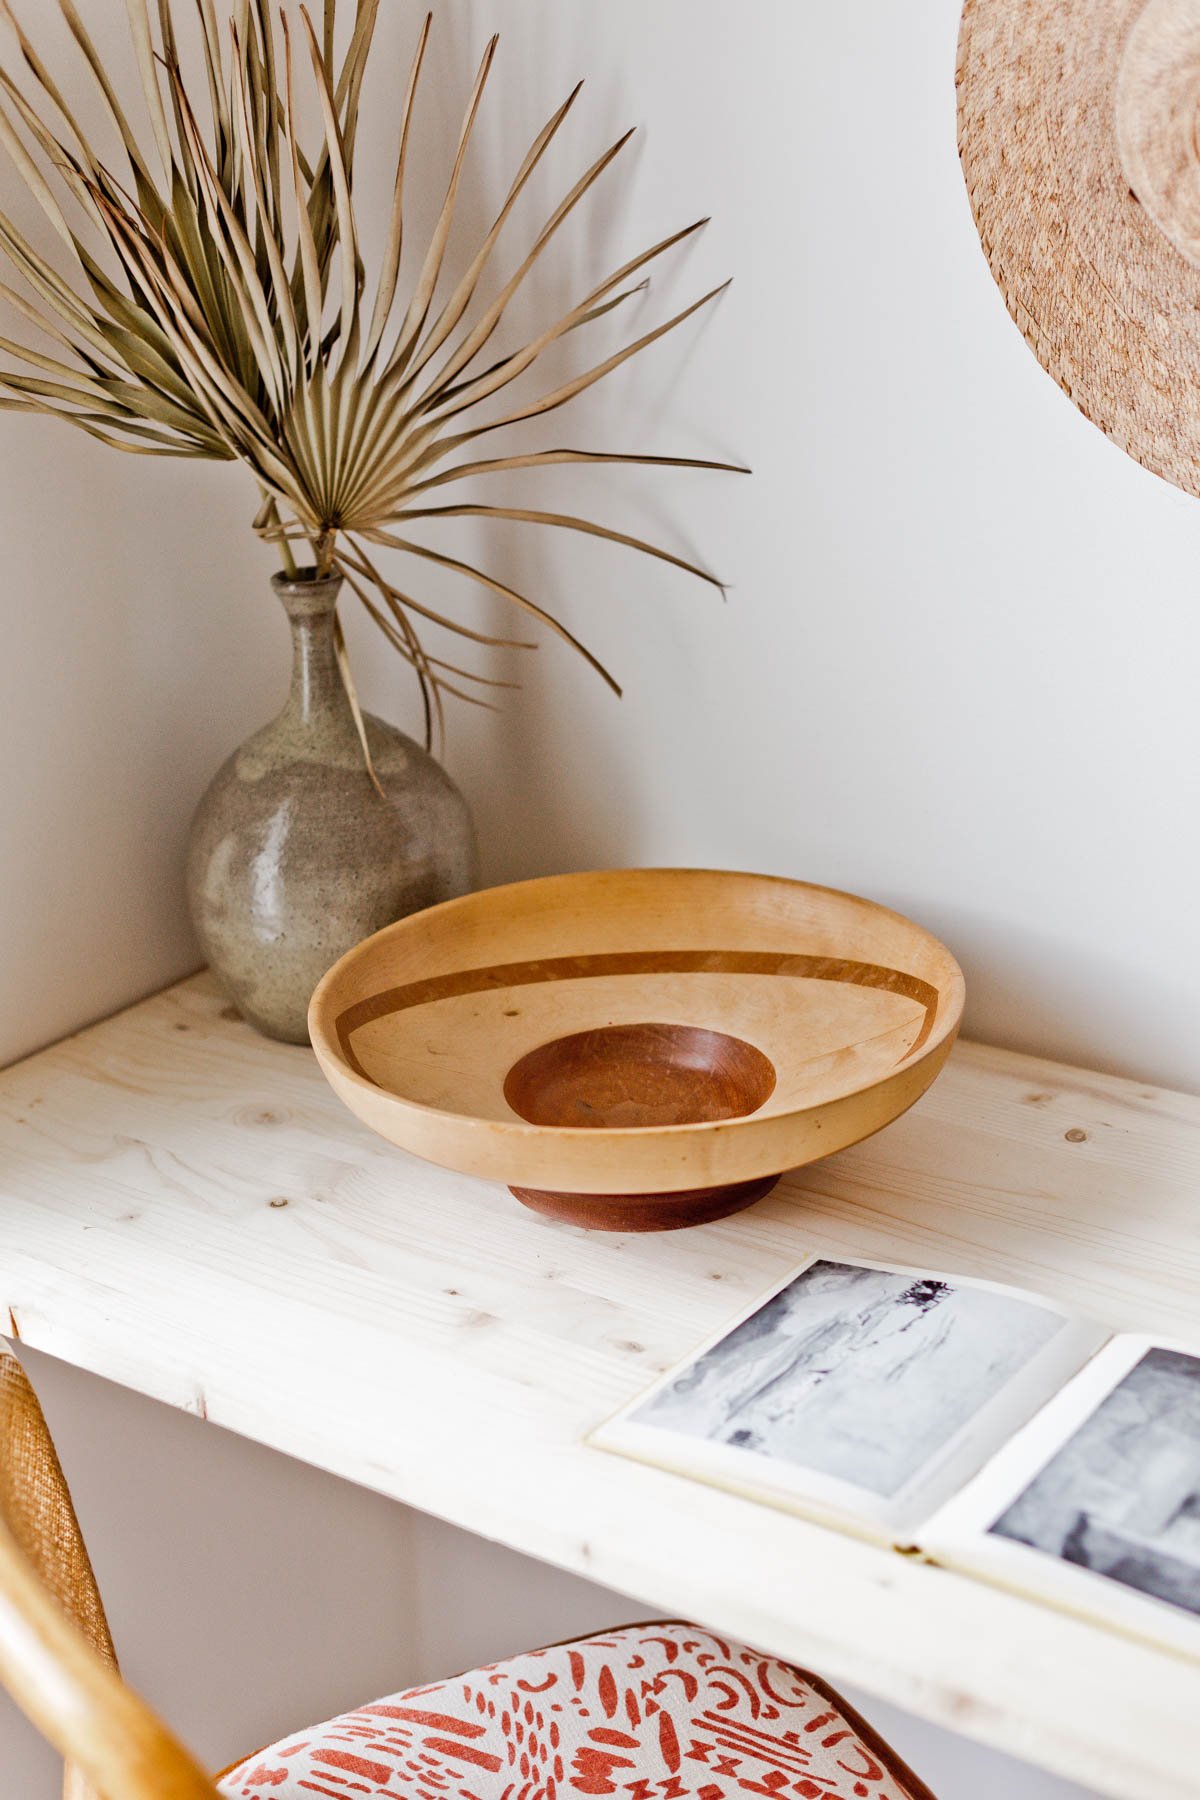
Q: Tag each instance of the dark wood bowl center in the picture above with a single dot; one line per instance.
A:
(622, 1076)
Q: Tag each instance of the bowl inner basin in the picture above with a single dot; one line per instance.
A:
(450, 1043)
(619, 1077)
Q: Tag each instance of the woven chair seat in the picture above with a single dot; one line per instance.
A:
(649, 1712)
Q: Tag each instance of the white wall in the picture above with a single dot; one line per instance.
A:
(956, 669)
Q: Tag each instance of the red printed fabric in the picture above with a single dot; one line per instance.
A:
(650, 1712)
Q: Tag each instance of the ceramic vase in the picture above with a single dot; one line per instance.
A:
(294, 856)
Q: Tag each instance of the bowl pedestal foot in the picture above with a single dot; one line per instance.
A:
(646, 1212)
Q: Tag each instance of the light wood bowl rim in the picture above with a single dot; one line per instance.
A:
(500, 1149)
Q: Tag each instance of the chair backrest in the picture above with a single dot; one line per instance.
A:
(56, 1653)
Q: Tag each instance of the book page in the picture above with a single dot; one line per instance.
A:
(858, 1392)
(1096, 1504)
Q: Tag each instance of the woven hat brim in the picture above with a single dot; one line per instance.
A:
(1108, 305)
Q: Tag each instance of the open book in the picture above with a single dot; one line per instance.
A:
(986, 1428)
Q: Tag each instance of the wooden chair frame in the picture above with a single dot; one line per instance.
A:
(56, 1651)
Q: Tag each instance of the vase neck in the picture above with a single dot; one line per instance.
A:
(318, 694)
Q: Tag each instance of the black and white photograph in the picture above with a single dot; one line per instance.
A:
(859, 1373)
(1122, 1495)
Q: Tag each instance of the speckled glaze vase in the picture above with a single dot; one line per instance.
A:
(294, 857)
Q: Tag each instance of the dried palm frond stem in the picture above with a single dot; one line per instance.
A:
(222, 310)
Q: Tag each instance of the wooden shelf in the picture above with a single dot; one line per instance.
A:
(186, 1208)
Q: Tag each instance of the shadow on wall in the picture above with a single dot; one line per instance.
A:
(571, 755)
(1032, 988)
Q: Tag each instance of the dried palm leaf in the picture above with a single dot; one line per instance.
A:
(217, 303)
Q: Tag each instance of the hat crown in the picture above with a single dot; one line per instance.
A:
(1157, 103)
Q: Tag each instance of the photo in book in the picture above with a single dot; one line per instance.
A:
(1122, 1496)
(857, 1372)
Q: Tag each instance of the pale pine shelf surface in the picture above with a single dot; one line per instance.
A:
(187, 1209)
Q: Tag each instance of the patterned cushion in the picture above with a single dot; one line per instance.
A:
(649, 1712)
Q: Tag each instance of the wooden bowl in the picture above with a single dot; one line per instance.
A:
(639, 1048)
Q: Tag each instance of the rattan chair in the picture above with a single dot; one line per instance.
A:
(56, 1652)
(58, 1663)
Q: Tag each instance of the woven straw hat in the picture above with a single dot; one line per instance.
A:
(1079, 130)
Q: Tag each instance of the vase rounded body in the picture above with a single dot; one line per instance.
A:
(294, 854)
